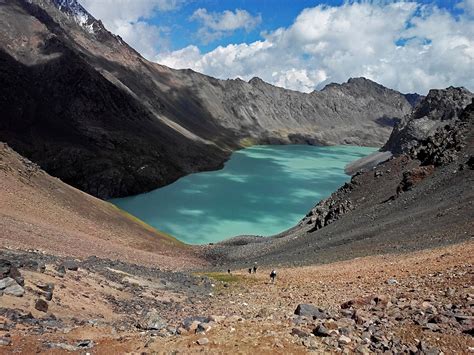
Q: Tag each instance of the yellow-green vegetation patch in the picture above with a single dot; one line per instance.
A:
(247, 142)
(221, 276)
(165, 236)
(225, 278)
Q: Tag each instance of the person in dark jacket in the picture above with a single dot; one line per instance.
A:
(255, 269)
(273, 276)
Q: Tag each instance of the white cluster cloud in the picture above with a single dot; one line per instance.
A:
(403, 45)
(126, 18)
(218, 24)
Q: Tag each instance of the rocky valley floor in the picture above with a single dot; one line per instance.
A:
(421, 302)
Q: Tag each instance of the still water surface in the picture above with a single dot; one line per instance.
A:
(262, 190)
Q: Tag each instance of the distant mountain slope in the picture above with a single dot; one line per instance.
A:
(89, 109)
(38, 211)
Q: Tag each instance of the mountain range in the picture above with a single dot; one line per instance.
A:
(383, 265)
(90, 110)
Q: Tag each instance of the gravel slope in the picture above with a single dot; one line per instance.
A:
(105, 306)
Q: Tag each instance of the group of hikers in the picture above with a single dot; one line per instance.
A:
(273, 274)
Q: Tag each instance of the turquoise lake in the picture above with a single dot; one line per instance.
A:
(262, 190)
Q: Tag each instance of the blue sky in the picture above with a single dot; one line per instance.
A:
(303, 45)
(274, 13)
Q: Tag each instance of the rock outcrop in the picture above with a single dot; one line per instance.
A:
(413, 176)
(329, 210)
(11, 281)
(90, 110)
(439, 109)
(443, 145)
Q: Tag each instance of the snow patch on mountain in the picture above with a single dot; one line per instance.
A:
(77, 12)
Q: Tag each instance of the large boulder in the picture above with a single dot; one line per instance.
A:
(7, 269)
(41, 305)
(152, 321)
(10, 286)
(71, 265)
(191, 323)
(4, 341)
(321, 331)
(7, 282)
(310, 311)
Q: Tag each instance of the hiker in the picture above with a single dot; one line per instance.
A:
(255, 269)
(228, 271)
(273, 275)
(250, 270)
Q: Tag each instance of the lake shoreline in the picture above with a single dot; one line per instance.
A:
(260, 190)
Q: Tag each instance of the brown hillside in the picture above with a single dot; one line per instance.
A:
(38, 211)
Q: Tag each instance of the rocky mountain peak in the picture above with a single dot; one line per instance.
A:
(256, 80)
(439, 108)
(360, 86)
(413, 98)
(443, 105)
(360, 81)
(80, 15)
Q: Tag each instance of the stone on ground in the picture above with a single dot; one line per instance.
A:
(152, 321)
(10, 287)
(41, 305)
(203, 341)
(308, 310)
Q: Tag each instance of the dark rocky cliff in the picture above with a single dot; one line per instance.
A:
(90, 110)
(438, 109)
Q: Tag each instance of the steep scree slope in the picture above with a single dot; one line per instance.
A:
(90, 110)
